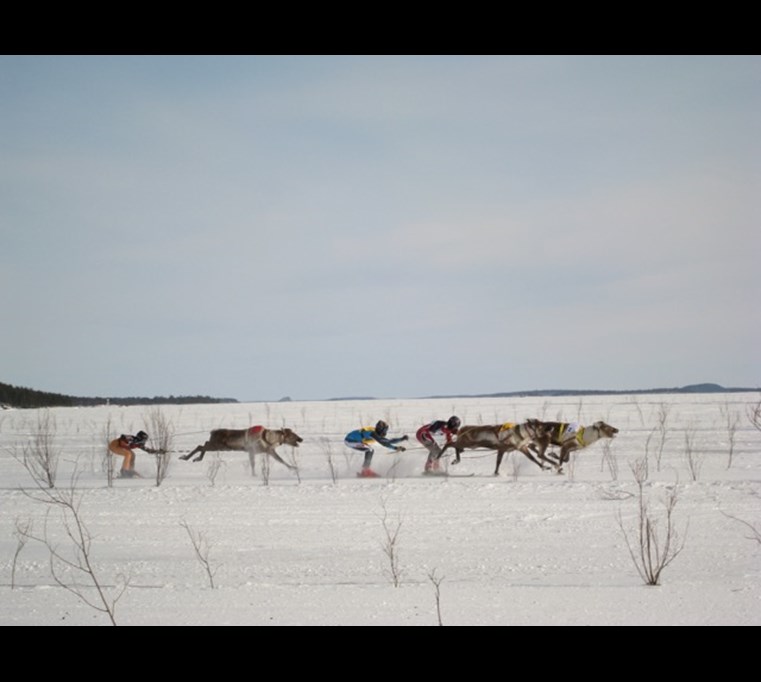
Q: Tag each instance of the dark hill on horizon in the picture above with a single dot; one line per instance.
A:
(20, 397)
(691, 388)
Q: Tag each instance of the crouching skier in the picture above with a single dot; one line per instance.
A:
(434, 437)
(361, 439)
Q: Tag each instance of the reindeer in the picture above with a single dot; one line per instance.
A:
(569, 437)
(500, 437)
(254, 440)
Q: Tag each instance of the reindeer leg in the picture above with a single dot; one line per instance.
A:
(199, 448)
(190, 454)
(565, 455)
(280, 459)
(550, 459)
(500, 455)
(542, 454)
(526, 451)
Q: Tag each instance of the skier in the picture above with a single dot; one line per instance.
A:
(361, 439)
(124, 446)
(434, 437)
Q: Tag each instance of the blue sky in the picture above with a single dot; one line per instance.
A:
(315, 227)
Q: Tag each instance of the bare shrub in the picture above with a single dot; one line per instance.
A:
(436, 582)
(693, 458)
(22, 534)
(40, 455)
(732, 421)
(214, 467)
(75, 560)
(638, 407)
(663, 414)
(202, 548)
(647, 443)
(391, 545)
(655, 543)
(579, 411)
(514, 465)
(609, 459)
(265, 466)
(108, 460)
(162, 437)
(543, 411)
(251, 454)
(327, 447)
(754, 415)
(641, 470)
(755, 531)
(393, 470)
(641, 467)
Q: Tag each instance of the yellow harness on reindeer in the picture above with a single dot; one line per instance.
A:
(577, 431)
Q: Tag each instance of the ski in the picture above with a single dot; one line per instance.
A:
(444, 474)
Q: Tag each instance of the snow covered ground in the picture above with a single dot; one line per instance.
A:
(529, 547)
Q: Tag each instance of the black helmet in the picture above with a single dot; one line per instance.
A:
(453, 423)
(142, 435)
(381, 428)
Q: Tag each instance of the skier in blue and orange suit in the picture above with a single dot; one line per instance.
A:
(361, 439)
(434, 437)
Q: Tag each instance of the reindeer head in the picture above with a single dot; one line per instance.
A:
(605, 430)
(291, 438)
(538, 429)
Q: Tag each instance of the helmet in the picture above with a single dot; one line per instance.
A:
(381, 428)
(453, 423)
(142, 435)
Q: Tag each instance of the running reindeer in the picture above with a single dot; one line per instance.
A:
(254, 440)
(502, 438)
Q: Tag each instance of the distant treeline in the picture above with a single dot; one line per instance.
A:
(15, 396)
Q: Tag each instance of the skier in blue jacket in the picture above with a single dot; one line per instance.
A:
(361, 439)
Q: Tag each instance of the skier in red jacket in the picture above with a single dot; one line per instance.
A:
(434, 436)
